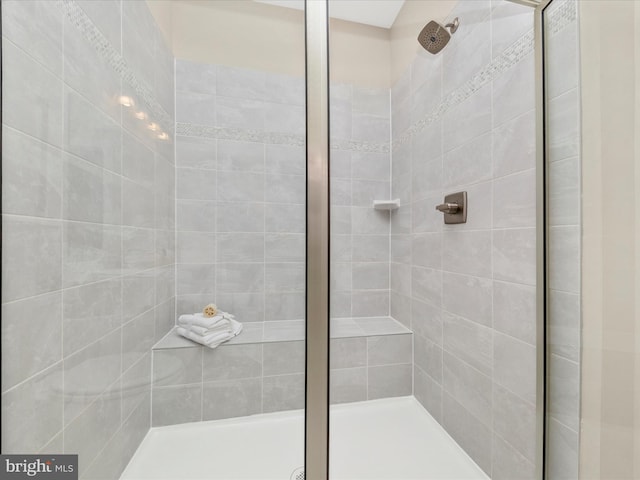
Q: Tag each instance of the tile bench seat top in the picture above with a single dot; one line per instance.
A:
(293, 330)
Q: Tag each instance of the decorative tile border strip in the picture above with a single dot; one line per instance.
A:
(94, 36)
(239, 134)
(512, 55)
(272, 138)
(559, 18)
(104, 48)
(561, 15)
(367, 147)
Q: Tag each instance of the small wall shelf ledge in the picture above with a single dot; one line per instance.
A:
(386, 204)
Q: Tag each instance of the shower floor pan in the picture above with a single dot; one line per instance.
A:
(390, 439)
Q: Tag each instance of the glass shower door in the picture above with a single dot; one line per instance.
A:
(433, 323)
(154, 162)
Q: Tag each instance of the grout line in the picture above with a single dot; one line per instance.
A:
(264, 279)
(58, 363)
(79, 222)
(201, 383)
(62, 235)
(367, 366)
(122, 246)
(492, 94)
(262, 375)
(442, 243)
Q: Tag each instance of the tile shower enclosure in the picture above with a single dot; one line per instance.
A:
(119, 252)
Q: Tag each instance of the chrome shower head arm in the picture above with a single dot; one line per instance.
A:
(453, 26)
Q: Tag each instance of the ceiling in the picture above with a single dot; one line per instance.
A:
(378, 13)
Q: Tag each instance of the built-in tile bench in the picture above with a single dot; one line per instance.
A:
(262, 369)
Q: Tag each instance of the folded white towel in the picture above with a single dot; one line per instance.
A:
(212, 340)
(208, 323)
(221, 328)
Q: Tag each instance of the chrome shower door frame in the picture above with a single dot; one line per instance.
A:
(542, 239)
(542, 303)
(317, 238)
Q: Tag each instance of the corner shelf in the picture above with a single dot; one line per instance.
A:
(387, 205)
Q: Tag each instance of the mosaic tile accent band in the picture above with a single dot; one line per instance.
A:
(240, 134)
(558, 19)
(272, 138)
(104, 48)
(564, 15)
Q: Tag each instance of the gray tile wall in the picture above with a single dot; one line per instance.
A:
(86, 212)
(464, 120)
(360, 117)
(240, 196)
(564, 240)
(240, 231)
(88, 227)
(191, 384)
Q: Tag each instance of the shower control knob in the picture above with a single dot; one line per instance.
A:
(449, 208)
(454, 208)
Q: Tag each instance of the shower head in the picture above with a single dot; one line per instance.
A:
(434, 36)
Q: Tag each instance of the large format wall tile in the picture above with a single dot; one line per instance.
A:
(514, 145)
(563, 457)
(467, 252)
(468, 297)
(23, 353)
(514, 419)
(31, 257)
(514, 200)
(90, 134)
(91, 194)
(514, 366)
(467, 120)
(514, 255)
(508, 23)
(233, 362)
(284, 392)
(179, 404)
(41, 36)
(389, 381)
(471, 293)
(471, 388)
(468, 431)
(195, 77)
(22, 431)
(508, 463)
(348, 385)
(88, 433)
(514, 310)
(90, 312)
(428, 392)
(90, 75)
(92, 252)
(31, 176)
(178, 366)
(89, 225)
(513, 92)
(35, 105)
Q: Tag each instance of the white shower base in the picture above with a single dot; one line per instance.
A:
(390, 439)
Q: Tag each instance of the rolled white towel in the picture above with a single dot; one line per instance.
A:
(214, 339)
